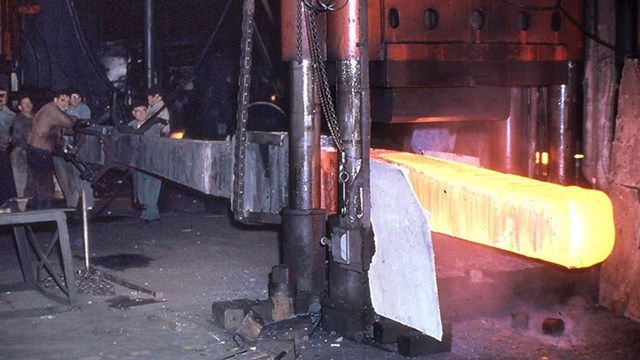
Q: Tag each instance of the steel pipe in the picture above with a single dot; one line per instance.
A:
(304, 139)
(304, 223)
(149, 41)
(562, 122)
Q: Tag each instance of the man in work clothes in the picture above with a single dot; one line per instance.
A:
(7, 189)
(20, 128)
(45, 134)
(147, 187)
(67, 174)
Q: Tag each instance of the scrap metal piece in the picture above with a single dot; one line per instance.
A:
(417, 344)
(296, 329)
(553, 326)
(250, 327)
(282, 292)
(156, 294)
(386, 331)
(230, 314)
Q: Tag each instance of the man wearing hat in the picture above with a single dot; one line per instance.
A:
(158, 109)
(146, 188)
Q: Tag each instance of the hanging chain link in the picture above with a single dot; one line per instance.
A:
(320, 78)
(242, 117)
(323, 91)
(299, 32)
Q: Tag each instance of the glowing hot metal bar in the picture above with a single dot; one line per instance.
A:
(569, 226)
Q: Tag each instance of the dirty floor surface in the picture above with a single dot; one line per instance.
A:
(189, 260)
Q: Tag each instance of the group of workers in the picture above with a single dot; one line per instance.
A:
(32, 150)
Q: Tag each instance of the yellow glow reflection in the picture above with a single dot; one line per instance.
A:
(177, 135)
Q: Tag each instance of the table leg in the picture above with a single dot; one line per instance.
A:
(23, 254)
(67, 265)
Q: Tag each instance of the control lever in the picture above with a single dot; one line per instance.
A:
(70, 153)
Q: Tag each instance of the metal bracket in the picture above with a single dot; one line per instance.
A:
(346, 246)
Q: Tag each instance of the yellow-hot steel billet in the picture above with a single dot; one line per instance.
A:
(565, 225)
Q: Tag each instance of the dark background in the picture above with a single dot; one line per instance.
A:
(197, 50)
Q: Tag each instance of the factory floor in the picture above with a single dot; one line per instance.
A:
(195, 256)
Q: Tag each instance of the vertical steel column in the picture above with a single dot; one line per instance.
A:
(149, 41)
(304, 139)
(350, 120)
(562, 122)
(304, 223)
(348, 308)
(532, 127)
(513, 136)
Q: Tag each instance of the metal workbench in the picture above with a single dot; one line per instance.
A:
(38, 256)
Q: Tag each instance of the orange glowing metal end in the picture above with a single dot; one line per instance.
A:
(569, 226)
(177, 135)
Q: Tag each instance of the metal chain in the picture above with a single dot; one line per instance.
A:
(299, 33)
(321, 79)
(326, 102)
(242, 116)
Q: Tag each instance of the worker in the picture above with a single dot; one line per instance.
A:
(67, 174)
(158, 109)
(146, 188)
(45, 134)
(20, 128)
(77, 106)
(7, 188)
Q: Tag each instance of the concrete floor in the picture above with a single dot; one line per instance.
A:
(195, 258)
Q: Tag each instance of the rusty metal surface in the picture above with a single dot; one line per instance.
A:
(329, 178)
(512, 31)
(525, 23)
(289, 31)
(343, 32)
(401, 105)
(477, 52)
(466, 73)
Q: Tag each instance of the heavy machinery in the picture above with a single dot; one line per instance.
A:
(491, 81)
